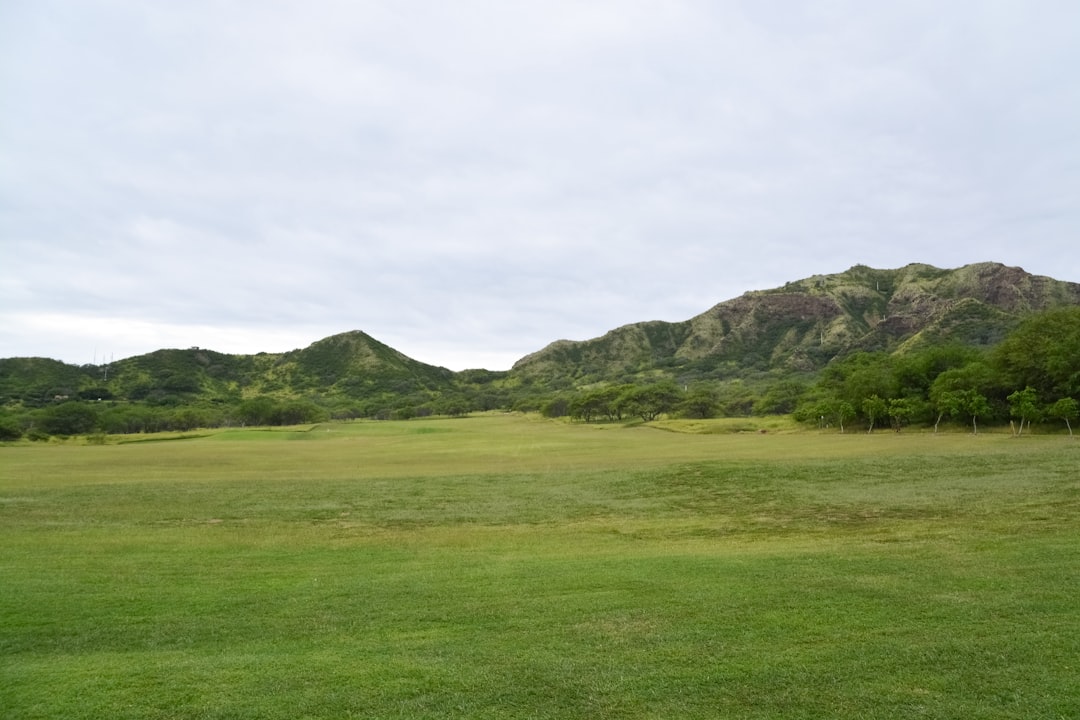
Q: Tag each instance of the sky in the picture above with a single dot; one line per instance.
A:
(469, 181)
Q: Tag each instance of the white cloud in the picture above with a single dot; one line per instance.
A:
(477, 179)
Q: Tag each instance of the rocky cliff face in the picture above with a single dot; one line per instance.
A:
(804, 324)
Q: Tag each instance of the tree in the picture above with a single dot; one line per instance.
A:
(900, 411)
(875, 407)
(611, 401)
(296, 412)
(700, 402)
(452, 404)
(916, 371)
(947, 402)
(1042, 352)
(1066, 409)
(974, 404)
(859, 376)
(132, 419)
(69, 418)
(954, 390)
(585, 405)
(258, 410)
(827, 409)
(651, 401)
(10, 429)
(1024, 405)
(780, 398)
(558, 406)
(735, 399)
(976, 375)
(843, 409)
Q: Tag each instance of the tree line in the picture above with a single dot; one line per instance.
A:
(1033, 375)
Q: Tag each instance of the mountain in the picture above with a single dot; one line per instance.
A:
(786, 332)
(356, 365)
(351, 365)
(803, 325)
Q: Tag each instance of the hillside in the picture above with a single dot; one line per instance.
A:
(759, 352)
(351, 365)
(803, 325)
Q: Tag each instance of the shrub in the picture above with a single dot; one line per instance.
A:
(69, 418)
(10, 429)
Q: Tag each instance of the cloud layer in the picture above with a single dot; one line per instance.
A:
(469, 181)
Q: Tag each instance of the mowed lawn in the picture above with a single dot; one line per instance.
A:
(511, 567)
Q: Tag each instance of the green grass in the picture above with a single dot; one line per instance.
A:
(507, 567)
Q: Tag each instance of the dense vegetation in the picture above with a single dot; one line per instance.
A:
(866, 348)
(1034, 374)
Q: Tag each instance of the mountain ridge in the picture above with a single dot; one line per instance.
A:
(796, 329)
(804, 324)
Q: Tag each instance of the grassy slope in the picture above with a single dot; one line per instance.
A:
(506, 567)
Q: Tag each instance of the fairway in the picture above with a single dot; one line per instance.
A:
(505, 566)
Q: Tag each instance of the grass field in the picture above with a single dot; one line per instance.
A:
(511, 567)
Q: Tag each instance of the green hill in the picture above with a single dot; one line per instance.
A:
(802, 326)
(350, 365)
(36, 381)
(353, 365)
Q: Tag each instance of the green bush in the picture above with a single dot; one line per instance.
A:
(69, 418)
(10, 429)
(37, 435)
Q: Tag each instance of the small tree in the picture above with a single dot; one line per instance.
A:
(947, 403)
(843, 410)
(874, 407)
(900, 411)
(1066, 409)
(10, 429)
(1023, 404)
(700, 402)
(975, 404)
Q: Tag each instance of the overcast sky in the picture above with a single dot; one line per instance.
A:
(468, 181)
